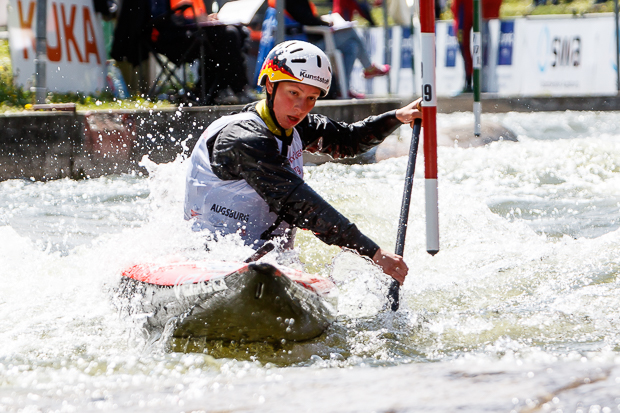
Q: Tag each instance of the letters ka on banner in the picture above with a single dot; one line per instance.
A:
(75, 47)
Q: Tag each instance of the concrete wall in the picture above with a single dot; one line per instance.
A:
(53, 145)
(493, 104)
(38, 146)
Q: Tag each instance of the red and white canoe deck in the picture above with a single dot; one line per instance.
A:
(225, 300)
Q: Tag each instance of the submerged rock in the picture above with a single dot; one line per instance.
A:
(463, 136)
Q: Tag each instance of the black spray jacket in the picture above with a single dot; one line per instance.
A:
(240, 151)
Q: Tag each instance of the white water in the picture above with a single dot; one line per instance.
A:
(518, 311)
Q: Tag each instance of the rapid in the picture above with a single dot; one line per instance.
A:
(519, 311)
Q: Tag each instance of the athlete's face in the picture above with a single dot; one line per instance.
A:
(293, 101)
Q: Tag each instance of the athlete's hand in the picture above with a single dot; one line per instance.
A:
(411, 112)
(391, 264)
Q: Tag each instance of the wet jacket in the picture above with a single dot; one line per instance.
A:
(232, 205)
(250, 150)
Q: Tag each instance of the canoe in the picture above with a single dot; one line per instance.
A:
(234, 301)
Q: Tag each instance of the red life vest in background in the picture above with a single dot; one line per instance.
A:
(197, 5)
(272, 4)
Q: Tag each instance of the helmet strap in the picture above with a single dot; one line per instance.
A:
(270, 101)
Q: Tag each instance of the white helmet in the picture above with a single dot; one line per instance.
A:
(297, 61)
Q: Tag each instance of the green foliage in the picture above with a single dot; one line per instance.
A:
(14, 98)
(516, 8)
(107, 101)
(10, 96)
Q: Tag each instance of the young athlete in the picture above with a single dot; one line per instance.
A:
(246, 170)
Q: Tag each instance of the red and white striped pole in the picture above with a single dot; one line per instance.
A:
(429, 120)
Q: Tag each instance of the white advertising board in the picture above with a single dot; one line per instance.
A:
(569, 56)
(403, 75)
(3, 12)
(450, 70)
(75, 48)
(559, 56)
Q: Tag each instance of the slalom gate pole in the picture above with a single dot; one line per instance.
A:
(41, 53)
(404, 209)
(429, 120)
(617, 45)
(477, 60)
(280, 19)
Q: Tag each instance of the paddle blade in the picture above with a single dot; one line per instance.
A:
(393, 295)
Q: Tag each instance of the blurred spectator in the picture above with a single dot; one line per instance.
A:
(140, 22)
(463, 12)
(107, 8)
(490, 9)
(438, 9)
(346, 9)
(227, 58)
(346, 40)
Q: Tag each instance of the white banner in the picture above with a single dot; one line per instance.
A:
(560, 56)
(75, 48)
(551, 56)
(572, 56)
(450, 71)
(3, 12)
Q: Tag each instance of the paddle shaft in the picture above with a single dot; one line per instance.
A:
(261, 252)
(404, 208)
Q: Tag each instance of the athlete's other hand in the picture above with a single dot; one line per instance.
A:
(411, 112)
(391, 264)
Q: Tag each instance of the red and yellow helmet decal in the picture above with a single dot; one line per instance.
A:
(276, 70)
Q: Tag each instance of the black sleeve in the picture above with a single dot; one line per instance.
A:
(338, 139)
(246, 150)
(301, 12)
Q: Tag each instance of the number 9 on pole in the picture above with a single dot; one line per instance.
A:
(428, 76)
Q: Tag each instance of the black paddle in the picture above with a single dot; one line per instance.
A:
(404, 209)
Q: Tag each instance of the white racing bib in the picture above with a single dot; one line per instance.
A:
(227, 207)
